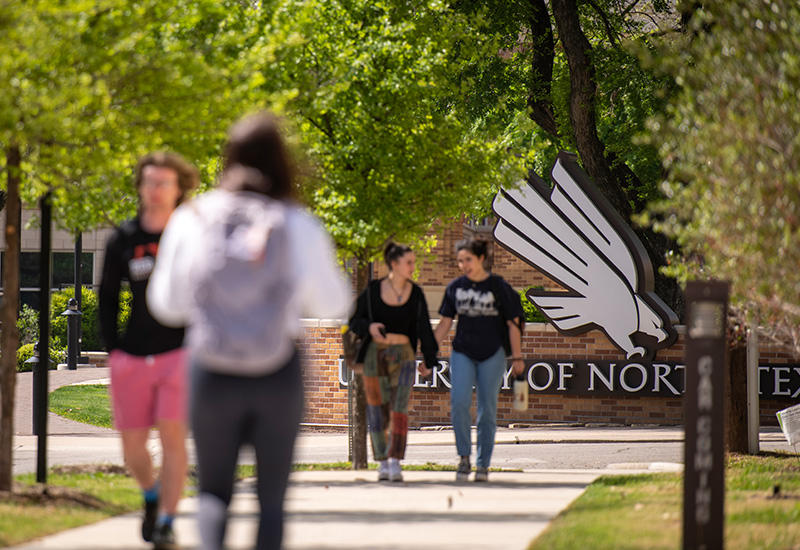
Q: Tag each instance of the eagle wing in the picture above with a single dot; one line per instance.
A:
(566, 237)
(579, 208)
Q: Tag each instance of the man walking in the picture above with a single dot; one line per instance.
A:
(148, 368)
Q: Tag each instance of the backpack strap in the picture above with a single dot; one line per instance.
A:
(520, 324)
(495, 286)
(369, 306)
(128, 228)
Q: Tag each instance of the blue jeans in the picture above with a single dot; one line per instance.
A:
(487, 377)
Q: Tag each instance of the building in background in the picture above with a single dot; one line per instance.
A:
(62, 261)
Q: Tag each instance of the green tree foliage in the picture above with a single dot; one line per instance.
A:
(565, 76)
(364, 83)
(532, 313)
(88, 87)
(28, 325)
(732, 146)
(529, 90)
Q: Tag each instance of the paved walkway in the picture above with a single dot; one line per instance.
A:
(348, 510)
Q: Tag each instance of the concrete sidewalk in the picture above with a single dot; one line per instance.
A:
(349, 510)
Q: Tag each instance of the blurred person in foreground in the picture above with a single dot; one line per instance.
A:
(148, 367)
(238, 266)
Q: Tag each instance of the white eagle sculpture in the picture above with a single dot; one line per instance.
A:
(573, 235)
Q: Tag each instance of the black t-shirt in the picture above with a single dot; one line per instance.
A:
(130, 256)
(479, 332)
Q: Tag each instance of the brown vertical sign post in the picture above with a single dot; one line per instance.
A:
(704, 408)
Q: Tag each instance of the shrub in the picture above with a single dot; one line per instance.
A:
(28, 325)
(532, 313)
(90, 331)
(125, 299)
(26, 352)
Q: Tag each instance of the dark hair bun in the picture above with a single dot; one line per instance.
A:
(393, 251)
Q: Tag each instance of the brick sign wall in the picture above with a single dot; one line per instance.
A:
(543, 346)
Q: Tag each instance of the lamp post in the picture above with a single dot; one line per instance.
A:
(73, 315)
(40, 388)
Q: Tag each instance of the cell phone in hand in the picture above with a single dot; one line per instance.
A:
(382, 331)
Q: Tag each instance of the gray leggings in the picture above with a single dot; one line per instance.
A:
(228, 412)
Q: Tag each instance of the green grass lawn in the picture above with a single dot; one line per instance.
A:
(72, 499)
(85, 403)
(646, 511)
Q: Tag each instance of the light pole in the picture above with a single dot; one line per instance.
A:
(73, 316)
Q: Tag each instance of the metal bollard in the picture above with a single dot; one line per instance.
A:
(33, 361)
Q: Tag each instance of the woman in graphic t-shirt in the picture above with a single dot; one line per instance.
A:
(478, 357)
(393, 314)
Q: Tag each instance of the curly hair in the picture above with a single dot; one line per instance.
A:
(188, 176)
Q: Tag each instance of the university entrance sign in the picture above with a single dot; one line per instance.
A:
(573, 235)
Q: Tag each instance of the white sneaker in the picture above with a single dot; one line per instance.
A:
(395, 470)
(383, 471)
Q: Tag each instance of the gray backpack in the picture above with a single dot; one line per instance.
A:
(241, 285)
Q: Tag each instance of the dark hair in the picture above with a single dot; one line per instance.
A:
(394, 252)
(256, 142)
(477, 245)
(188, 177)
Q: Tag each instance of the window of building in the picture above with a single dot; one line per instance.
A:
(62, 269)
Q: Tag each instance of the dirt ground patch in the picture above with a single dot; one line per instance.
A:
(91, 469)
(44, 494)
(318, 429)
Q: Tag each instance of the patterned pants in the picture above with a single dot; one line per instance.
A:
(388, 379)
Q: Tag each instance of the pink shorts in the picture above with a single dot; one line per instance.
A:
(146, 389)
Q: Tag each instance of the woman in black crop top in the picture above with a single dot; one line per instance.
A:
(393, 315)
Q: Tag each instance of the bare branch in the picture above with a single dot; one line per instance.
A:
(612, 34)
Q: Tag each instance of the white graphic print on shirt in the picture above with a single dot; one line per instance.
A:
(473, 303)
(141, 268)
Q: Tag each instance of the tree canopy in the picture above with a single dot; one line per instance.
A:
(567, 77)
(365, 84)
(88, 87)
(731, 143)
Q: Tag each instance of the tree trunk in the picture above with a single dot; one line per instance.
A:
(610, 175)
(582, 105)
(9, 341)
(736, 400)
(540, 85)
(358, 395)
